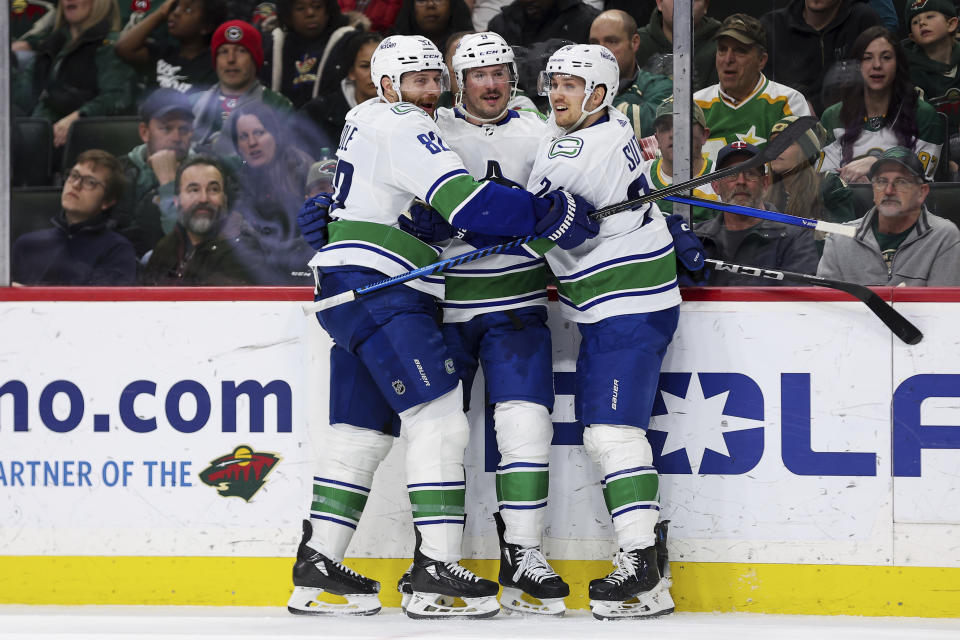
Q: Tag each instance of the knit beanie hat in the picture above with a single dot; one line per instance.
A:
(241, 33)
(811, 140)
(914, 7)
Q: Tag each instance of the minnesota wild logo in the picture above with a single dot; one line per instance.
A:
(240, 473)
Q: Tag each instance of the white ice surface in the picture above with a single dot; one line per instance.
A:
(202, 623)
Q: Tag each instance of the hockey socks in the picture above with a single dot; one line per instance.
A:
(348, 457)
(436, 433)
(524, 431)
(630, 482)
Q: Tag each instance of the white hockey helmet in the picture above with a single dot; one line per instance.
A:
(398, 55)
(482, 50)
(592, 62)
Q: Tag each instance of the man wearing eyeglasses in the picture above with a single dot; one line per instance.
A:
(898, 242)
(80, 249)
(747, 240)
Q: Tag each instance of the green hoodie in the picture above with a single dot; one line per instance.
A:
(653, 41)
(148, 210)
(939, 89)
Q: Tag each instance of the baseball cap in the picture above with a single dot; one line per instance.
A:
(902, 156)
(736, 148)
(238, 32)
(322, 170)
(810, 142)
(666, 109)
(164, 102)
(743, 28)
(914, 7)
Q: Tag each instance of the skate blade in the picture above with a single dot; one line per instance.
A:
(433, 606)
(516, 602)
(311, 601)
(652, 604)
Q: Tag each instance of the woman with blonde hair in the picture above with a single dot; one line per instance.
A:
(798, 189)
(75, 71)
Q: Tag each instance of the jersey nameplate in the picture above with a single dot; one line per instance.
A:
(566, 147)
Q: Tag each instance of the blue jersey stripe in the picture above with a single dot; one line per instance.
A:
(334, 520)
(634, 507)
(496, 303)
(342, 484)
(530, 465)
(626, 471)
(522, 507)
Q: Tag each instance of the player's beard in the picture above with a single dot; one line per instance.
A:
(201, 224)
(480, 109)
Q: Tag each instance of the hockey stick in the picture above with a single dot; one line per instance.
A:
(776, 216)
(430, 269)
(900, 326)
(773, 150)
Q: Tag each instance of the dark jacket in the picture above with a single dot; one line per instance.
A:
(299, 60)
(147, 211)
(232, 256)
(653, 42)
(269, 200)
(84, 75)
(800, 55)
(566, 19)
(768, 244)
(942, 91)
(328, 111)
(87, 253)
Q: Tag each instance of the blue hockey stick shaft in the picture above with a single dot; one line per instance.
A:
(430, 269)
(776, 216)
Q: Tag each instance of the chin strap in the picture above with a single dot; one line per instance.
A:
(496, 118)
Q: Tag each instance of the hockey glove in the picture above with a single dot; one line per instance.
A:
(426, 223)
(687, 245)
(313, 219)
(568, 222)
(481, 240)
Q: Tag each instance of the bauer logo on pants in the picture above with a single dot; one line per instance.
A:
(240, 473)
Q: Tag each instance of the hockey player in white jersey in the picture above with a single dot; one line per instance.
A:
(621, 289)
(389, 367)
(494, 314)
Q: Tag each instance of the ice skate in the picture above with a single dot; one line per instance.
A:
(315, 574)
(530, 585)
(437, 587)
(633, 590)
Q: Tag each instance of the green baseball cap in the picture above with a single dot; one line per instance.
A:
(666, 109)
(902, 156)
(914, 7)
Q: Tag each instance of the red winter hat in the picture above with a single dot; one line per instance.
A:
(241, 33)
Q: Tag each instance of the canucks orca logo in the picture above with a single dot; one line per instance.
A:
(723, 412)
(240, 473)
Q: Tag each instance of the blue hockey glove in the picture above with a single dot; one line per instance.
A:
(687, 245)
(481, 240)
(313, 219)
(426, 223)
(568, 221)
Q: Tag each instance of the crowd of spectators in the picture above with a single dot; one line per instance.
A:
(241, 104)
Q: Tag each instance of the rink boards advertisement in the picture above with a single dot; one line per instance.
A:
(791, 434)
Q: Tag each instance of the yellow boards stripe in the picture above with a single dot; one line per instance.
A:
(697, 586)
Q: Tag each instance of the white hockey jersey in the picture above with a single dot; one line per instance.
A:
(630, 267)
(389, 153)
(502, 152)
